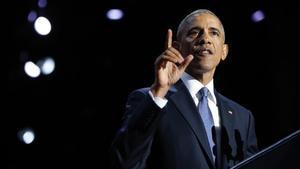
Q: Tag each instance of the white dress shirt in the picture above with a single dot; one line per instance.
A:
(193, 87)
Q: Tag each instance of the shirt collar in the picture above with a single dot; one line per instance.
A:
(194, 86)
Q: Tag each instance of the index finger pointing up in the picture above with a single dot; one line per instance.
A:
(169, 39)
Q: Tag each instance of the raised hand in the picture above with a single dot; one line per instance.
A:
(169, 67)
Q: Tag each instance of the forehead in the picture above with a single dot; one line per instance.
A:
(203, 20)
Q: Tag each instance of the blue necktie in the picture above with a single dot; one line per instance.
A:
(206, 116)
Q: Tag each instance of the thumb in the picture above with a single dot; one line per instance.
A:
(186, 62)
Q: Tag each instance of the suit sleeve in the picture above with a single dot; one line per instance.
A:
(252, 147)
(132, 144)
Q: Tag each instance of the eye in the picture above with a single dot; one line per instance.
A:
(215, 33)
(193, 33)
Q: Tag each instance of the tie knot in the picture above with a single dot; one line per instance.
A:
(203, 92)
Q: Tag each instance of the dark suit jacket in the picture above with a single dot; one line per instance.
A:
(174, 137)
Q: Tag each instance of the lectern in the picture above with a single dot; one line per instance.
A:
(284, 154)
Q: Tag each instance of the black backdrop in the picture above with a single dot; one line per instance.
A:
(75, 111)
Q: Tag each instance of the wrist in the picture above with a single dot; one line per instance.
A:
(159, 91)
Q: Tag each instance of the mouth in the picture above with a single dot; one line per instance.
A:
(203, 51)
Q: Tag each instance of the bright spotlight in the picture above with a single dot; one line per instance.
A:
(32, 69)
(114, 14)
(42, 25)
(27, 136)
(46, 65)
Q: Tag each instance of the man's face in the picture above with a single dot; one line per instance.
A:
(203, 37)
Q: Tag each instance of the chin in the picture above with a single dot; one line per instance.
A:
(199, 69)
(196, 71)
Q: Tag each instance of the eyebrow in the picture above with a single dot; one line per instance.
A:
(215, 29)
(211, 28)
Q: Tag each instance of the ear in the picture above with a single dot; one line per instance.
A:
(225, 51)
(176, 45)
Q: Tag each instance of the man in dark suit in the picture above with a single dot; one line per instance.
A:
(163, 127)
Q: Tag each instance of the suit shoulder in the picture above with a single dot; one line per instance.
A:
(140, 91)
(231, 103)
(138, 94)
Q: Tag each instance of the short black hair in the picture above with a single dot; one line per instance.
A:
(196, 12)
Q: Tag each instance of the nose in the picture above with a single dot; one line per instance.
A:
(204, 38)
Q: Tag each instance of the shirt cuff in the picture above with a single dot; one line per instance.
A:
(160, 102)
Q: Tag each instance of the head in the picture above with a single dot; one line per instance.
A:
(201, 34)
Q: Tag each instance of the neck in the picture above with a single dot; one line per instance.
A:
(203, 77)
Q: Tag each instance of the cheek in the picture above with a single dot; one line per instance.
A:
(219, 54)
(186, 49)
(219, 49)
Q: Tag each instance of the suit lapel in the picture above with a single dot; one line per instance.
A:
(224, 133)
(226, 114)
(186, 106)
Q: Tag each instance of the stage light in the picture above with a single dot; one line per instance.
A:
(42, 25)
(258, 16)
(26, 136)
(46, 65)
(32, 16)
(114, 14)
(31, 69)
(42, 3)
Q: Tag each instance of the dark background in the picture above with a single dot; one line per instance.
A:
(76, 110)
